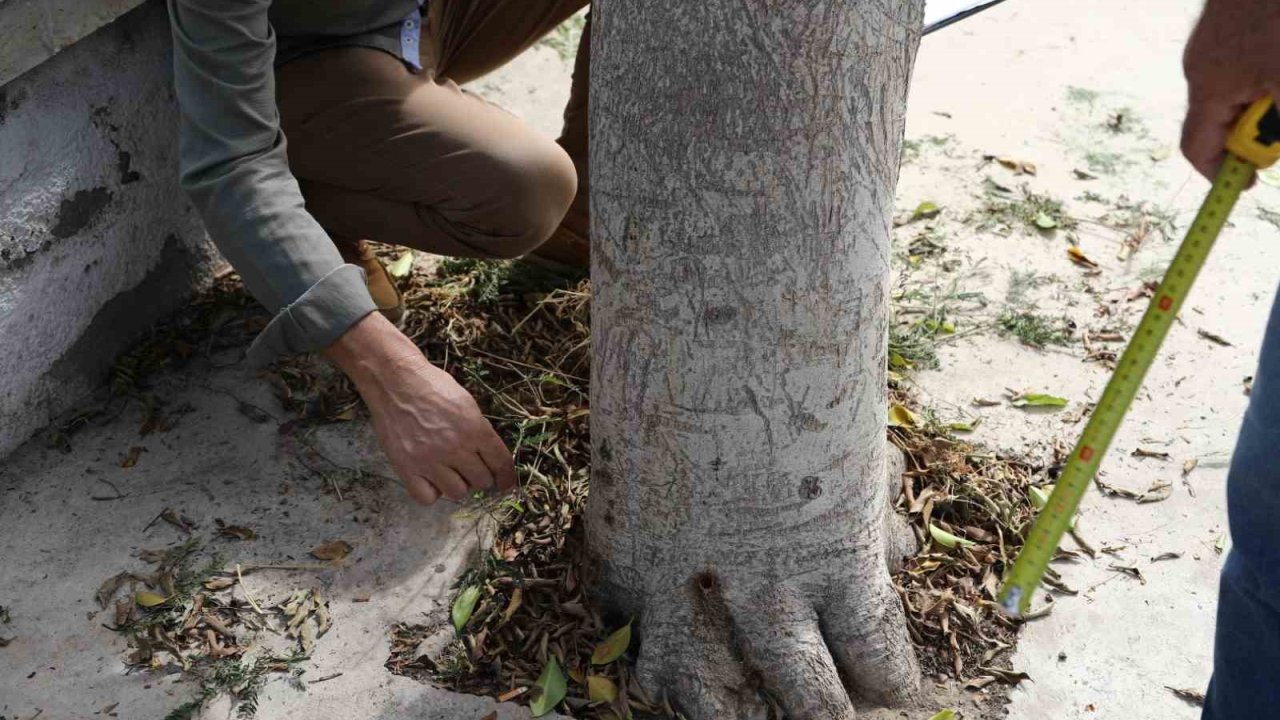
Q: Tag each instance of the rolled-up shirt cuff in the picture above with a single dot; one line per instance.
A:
(316, 319)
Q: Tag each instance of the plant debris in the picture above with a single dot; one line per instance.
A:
(1213, 338)
(182, 616)
(518, 337)
(524, 350)
(332, 550)
(1192, 697)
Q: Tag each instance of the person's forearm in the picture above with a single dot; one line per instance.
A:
(370, 345)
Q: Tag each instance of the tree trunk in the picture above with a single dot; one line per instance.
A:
(744, 157)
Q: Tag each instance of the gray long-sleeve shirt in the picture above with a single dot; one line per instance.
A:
(232, 151)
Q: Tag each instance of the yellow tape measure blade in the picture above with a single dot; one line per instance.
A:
(1078, 471)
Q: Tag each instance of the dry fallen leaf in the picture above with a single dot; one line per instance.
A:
(1159, 490)
(1129, 570)
(238, 532)
(131, 458)
(219, 583)
(1189, 465)
(1011, 677)
(1019, 167)
(1192, 697)
(332, 550)
(178, 520)
(1078, 257)
(1213, 338)
(109, 587)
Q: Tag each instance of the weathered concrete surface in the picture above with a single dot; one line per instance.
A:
(96, 239)
(35, 30)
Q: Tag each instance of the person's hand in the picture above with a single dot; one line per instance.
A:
(1231, 60)
(429, 426)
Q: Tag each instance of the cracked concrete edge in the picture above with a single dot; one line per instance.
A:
(36, 30)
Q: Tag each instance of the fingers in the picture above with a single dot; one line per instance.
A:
(1204, 132)
(497, 458)
(421, 489)
(448, 482)
(474, 472)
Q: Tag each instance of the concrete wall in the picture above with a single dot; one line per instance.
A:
(36, 30)
(96, 239)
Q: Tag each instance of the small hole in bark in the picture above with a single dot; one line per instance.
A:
(719, 315)
(810, 487)
(608, 519)
(707, 581)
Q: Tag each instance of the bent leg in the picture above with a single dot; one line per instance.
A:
(393, 156)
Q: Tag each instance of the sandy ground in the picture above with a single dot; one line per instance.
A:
(1033, 80)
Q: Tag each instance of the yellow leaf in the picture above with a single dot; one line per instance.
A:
(148, 599)
(612, 647)
(944, 715)
(402, 265)
(332, 550)
(900, 416)
(1078, 257)
(601, 689)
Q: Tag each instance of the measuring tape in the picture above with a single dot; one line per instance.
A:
(1254, 144)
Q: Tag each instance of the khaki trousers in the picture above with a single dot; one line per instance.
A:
(407, 158)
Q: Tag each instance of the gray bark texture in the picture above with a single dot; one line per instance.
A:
(744, 156)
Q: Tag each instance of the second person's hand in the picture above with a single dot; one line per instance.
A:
(431, 429)
(1231, 60)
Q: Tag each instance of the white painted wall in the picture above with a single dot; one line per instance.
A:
(96, 239)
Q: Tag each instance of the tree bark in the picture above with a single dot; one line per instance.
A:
(744, 158)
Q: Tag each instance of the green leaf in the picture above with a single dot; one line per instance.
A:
(1039, 497)
(1039, 400)
(402, 265)
(149, 599)
(944, 715)
(925, 210)
(962, 426)
(601, 689)
(897, 362)
(946, 539)
(612, 647)
(552, 687)
(1044, 221)
(464, 605)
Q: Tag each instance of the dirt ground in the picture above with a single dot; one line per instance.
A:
(1079, 103)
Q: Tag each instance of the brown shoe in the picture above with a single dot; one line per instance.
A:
(383, 289)
(564, 249)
